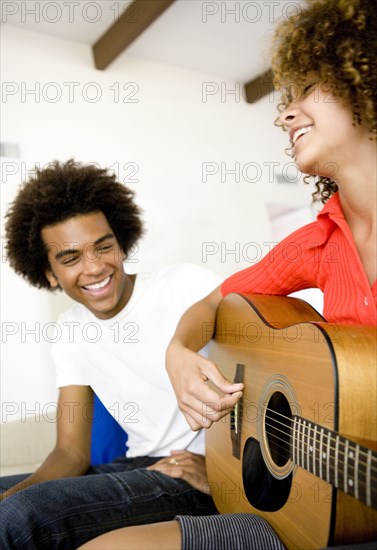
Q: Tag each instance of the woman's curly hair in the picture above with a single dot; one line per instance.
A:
(55, 194)
(337, 39)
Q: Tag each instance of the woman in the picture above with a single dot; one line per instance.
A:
(324, 61)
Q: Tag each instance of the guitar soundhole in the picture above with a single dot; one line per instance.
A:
(262, 489)
(267, 476)
(278, 428)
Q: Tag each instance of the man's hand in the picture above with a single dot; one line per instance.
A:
(189, 373)
(185, 465)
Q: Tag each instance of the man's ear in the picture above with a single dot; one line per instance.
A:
(54, 283)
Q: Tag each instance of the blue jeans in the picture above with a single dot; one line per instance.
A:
(64, 513)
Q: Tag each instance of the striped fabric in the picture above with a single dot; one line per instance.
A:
(228, 532)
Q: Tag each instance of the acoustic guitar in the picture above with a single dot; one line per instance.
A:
(300, 447)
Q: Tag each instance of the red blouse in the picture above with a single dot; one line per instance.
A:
(321, 255)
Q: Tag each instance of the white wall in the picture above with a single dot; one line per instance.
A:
(167, 137)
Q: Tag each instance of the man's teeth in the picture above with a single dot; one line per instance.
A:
(300, 132)
(97, 286)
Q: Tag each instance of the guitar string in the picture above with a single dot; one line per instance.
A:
(354, 478)
(341, 454)
(351, 469)
(308, 459)
(307, 455)
(309, 422)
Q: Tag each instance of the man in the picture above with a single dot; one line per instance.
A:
(71, 228)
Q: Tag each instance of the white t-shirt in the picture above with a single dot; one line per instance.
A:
(123, 358)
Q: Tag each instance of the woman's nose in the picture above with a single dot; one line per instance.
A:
(288, 115)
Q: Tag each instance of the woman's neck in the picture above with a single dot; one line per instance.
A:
(361, 215)
(357, 183)
(358, 197)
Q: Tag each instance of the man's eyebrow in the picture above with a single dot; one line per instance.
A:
(71, 251)
(63, 253)
(104, 238)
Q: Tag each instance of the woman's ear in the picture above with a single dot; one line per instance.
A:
(54, 283)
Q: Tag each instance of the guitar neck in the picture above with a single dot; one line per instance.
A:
(340, 461)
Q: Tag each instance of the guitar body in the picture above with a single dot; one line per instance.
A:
(294, 365)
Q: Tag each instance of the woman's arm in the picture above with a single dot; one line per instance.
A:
(189, 371)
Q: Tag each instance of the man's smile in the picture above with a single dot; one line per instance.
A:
(99, 285)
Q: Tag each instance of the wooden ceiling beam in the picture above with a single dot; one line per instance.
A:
(259, 87)
(133, 21)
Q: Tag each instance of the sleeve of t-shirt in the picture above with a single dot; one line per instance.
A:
(197, 282)
(290, 266)
(67, 359)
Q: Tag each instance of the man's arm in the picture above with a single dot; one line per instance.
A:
(71, 454)
(189, 371)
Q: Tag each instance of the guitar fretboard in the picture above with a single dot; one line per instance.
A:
(341, 462)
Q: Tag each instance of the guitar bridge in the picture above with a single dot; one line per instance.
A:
(236, 416)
